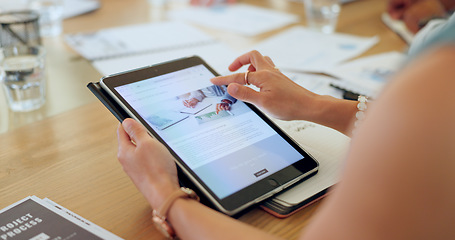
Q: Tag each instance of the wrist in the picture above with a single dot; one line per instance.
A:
(333, 112)
(156, 192)
(161, 214)
(315, 107)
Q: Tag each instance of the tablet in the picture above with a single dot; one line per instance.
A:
(236, 157)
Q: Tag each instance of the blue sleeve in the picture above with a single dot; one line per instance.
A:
(443, 34)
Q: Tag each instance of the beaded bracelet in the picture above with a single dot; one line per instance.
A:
(361, 107)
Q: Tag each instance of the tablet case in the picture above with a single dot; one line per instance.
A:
(107, 101)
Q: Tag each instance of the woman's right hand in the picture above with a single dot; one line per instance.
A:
(279, 96)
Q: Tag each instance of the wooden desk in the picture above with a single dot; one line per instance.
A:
(70, 156)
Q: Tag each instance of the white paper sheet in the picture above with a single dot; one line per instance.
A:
(241, 19)
(300, 49)
(368, 75)
(136, 39)
(73, 8)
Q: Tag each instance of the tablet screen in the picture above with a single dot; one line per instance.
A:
(229, 149)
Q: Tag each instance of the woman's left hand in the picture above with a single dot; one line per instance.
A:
(147, 162)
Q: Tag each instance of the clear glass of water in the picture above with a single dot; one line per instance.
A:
(51, 16)
(23, 77)
(322, 15)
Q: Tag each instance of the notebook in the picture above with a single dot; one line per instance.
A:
(326, 145)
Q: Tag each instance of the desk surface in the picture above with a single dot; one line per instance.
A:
(67, 150)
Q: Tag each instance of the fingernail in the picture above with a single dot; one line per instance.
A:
(126, 125)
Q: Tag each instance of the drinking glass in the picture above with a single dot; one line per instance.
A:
(322, 15)
(23, 77)
(51, 16)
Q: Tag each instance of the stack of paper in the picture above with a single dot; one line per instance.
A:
(40, 219)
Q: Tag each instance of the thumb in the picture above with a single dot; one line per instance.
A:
(243, 93)
(135, 130)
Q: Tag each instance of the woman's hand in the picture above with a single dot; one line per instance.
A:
(147, 162)
(278, 95)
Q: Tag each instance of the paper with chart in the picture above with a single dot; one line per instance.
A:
(367, 75)
(136, 39)
(240, 19)
(300, 49)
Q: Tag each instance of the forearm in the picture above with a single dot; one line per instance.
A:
(338, 114)
(192, 220)
(400, 162)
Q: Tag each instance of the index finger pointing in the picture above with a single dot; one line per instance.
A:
(226, 80)
(254, 58)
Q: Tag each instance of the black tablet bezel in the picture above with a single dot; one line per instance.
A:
(239, 200)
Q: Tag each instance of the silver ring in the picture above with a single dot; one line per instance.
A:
(246, 77)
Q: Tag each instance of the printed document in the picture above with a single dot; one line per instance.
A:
(300, 49)
(241, 19)
(367, 76)
(136, 39)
